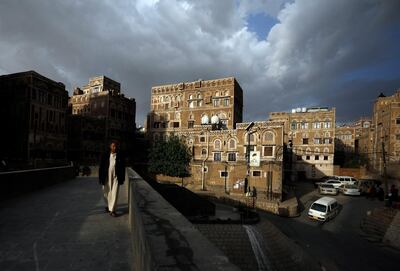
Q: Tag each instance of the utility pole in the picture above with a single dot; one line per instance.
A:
(384, 168)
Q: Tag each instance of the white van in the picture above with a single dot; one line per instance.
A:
(347, 180)
(323, 209)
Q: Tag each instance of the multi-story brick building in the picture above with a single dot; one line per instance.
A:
(386, 135)
(182, 106)
(85, 136)
(101, 98)
(363, 141)
(309, 136)
(208, 115)
(220, 161)
(345, 139)
(33, 115)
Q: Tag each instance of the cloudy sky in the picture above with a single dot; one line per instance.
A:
(285, 54)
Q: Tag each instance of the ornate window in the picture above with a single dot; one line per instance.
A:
(232, 144)
(293, 125)
(217, 144)
(252, 138)
(269, 136)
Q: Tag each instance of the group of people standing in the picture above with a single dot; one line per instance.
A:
(376, 191)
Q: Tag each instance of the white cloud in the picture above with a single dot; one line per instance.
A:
(145, 43)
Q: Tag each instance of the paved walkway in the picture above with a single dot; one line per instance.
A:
(64, 227)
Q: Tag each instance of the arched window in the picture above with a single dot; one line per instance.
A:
(199, 96)
(308, 151)
(317, 124)
(269, 136)
(326, 150)
(203, 152)
(397, 120)
(327, 123)
(217, 144)
(252, 138)
(304, 125)
(227, 93)
(190, 97)
(293, 125)
(232, 143)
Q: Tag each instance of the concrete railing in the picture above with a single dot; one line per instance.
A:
(162, 238)
(14, 183)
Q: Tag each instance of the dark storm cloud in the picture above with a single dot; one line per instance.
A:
(143, 43)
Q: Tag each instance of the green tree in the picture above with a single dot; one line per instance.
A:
(171, 158)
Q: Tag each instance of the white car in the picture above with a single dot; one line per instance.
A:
(335, 183)
(349, 189)
(327, 189)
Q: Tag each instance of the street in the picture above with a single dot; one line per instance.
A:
(337, 244)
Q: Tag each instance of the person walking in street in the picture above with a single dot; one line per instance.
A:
(111, 176)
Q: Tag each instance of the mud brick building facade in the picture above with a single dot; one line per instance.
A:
(207, 115)
(309, 136)
(103, 100)
(386, 134)
(182, 106)
(345, 139)
(33, 111)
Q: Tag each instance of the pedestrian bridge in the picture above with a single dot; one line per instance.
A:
(64, 227)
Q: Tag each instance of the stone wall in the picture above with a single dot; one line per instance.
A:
(162, 238)
(18, 182)
(357, 173)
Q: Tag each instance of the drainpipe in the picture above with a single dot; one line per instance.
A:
(203, 164)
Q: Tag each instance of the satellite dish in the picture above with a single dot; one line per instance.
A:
(214, 120)
(205, 119)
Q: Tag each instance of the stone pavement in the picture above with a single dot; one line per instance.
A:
(392, 235)
(64, 227)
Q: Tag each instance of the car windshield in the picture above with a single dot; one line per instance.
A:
(351, 186)
(318, 207)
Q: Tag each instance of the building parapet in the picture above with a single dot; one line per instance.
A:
(228, 81)
(162, 238)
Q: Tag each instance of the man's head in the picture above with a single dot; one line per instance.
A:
(114, 146)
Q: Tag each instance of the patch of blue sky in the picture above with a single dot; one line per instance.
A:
(260, 23)
(388, 69)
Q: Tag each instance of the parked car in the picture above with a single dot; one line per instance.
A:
(327, 189)
(322, 180)
(350, 189)
(335, 183)
(323, 209)
(347, 179)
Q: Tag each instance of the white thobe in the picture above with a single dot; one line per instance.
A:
(110, 189)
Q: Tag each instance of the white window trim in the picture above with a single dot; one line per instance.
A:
(213, 155)
(273, 151)
(220, 171)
